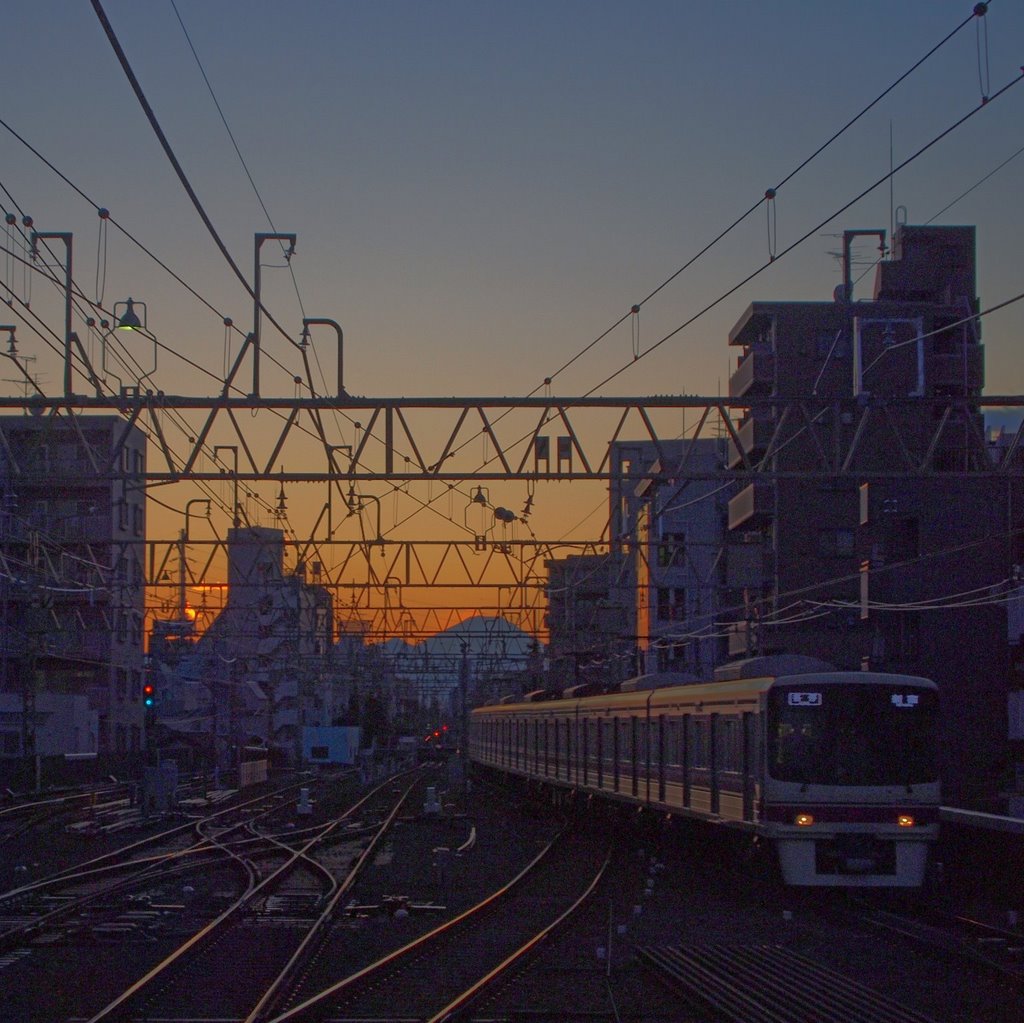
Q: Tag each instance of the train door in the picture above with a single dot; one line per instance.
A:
(547, 748)
(599, 752)
(635, 754)
(585, 749)
(616, 771)
(661, 758)
(647, 752)
(714, 741)
(747, 762)
(685, 757)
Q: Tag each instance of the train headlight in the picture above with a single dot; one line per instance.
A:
(905, 820)
(804, 820)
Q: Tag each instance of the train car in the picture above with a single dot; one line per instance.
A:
(837, 770)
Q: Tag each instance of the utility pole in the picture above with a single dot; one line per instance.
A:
(35, 626)
(464, 712)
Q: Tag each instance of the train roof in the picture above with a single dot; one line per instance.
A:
(727, 692)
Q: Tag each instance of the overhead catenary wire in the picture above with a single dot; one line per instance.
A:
(770, 193)
(227, 321)
(122, 58)
(808, 234)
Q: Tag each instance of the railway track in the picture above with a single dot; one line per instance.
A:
(770, 984)
(996, 950)
(287, 893)
(464, 960)
(38, 906)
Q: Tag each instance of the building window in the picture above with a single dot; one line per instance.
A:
(673, 657)
(672, 550)
(836, 543)
(671, 604)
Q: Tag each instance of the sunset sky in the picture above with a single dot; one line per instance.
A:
(481, 189)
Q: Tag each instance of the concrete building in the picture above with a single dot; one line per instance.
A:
(268, 651)
(874, 537)
(590, 620)
(675, 518)
(72, 588)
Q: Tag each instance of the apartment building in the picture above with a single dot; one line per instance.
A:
(72, 584)
(878, 532)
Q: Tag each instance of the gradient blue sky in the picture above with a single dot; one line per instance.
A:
(479, 189)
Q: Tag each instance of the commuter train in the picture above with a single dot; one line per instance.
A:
(838, 771)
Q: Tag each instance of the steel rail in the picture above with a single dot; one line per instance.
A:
(301, 954)
(228, 914)
(461, 1002)
(416, 944)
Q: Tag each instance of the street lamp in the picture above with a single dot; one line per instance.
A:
(129, 319)
(128, 322)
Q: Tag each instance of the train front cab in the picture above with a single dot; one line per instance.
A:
(851, 794)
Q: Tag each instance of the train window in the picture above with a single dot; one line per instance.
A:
(698, 744)
(672, 743)
(728, 747)
(859, 734)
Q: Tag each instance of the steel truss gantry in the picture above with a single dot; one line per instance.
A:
(340, 445)
(534, 439)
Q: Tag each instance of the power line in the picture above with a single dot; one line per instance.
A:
(234, 143)
(799, 241)
(179, 171)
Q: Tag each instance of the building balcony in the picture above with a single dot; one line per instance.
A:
(740, 638)
(752, 507)
(76, 645)
(744, 566)
(755, 375)
(965, 369)
(754, 436)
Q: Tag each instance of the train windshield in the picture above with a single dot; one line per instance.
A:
(858, 734)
